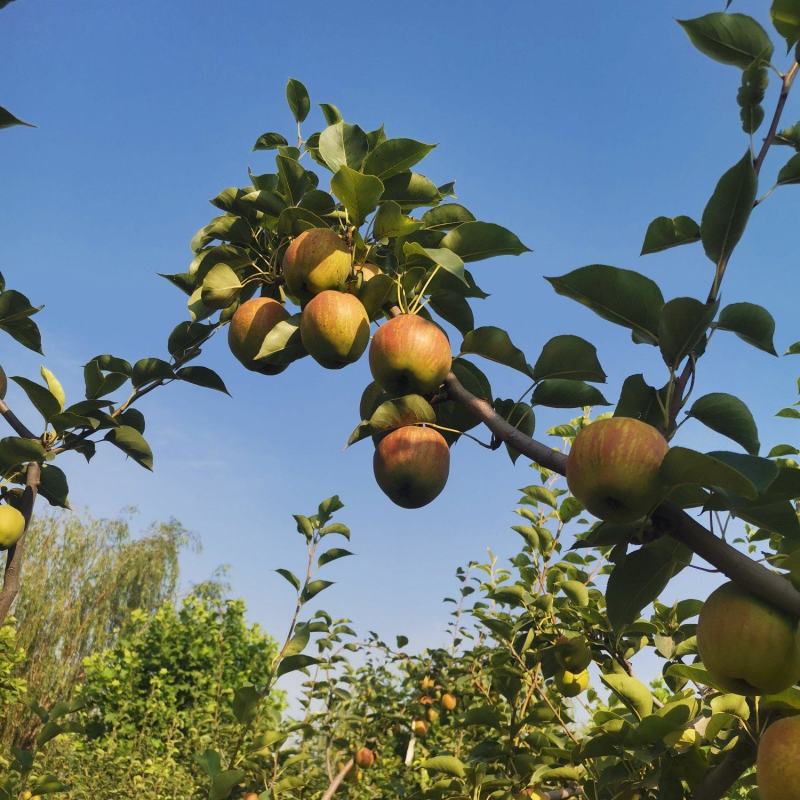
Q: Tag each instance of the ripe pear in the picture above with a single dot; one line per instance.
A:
(427, 682)
(449, 701)
(12, 526)
(409, 355)
(334, 328)
(748, 646)
(432, 714)
(248, 328)
(571, 684)
(316, 260)
(613, 468)
(778, 761)
(419, 728)
(411, 465)
(573, 653)
(364, 758)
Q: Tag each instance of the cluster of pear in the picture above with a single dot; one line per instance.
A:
(748, 646)
(431, 695)
(574, 656)
(408, 354)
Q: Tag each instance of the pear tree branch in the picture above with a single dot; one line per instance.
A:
(11, 575)
(669, 519)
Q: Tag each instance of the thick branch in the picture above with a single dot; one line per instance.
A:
(11, 576)
(669, 519)
(337, 781)
(727, 772)
(13, 420)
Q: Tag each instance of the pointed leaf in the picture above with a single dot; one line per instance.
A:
(343, 145)
(727, 212)
(270, 141)
(45, 402)
(496, 345)
(557, 393)
(202, 376)
(751, 323)
(332, 555)
(786, 19)
(293, 663)
(682, 326)
(298, 100)
(790, 171)
(621, 296)
(450, 765)
(683, 466)
(729, 416)
(734, 39)
(359, 193)
(394, 156)
(132, 443)
(7, 119)
(569, 357)
(474, 241)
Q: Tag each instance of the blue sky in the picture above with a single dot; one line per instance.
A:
(572, 125)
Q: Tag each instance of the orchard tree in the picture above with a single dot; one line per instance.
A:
(296, 270)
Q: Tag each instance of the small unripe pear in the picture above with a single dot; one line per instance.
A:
(571, 684)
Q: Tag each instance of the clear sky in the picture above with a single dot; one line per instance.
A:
(572, 124)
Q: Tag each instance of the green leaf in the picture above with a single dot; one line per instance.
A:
(293, 663)
(411, 190)
(17, 450)
(665, 232)
(734, 39)
(406, 410)
(313, 588)
(455, 309)
(390, 221)
(299, 641)
(281, 346)
(621, 296)
(221, 286)
(132, 443)
(683, 466)
(7, 119)
(496, 345)
(343, 145)
(789, 137)
(639, 579)
(151, 369)
(474, 241)
(684, 321)
(270, 141)
(294, 180)
(359, 193)
(290, 577)
(53, 486)
(751, 323)
(558, 393)
(790, 171)
(639, 400)
(394, 156)
(245, 704)
(569, 357)
(15, 313)
(726, 214)
(99, 384)
(48, 785)
(446, 216)
(45, 402)
(729, 416)
(577, 592)
(331, 113)
(786, 19)
(223, 783)
(298, 100)
(450, 765)
(414, 252)
(202, 376)
(332, 555)
(631, 691)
